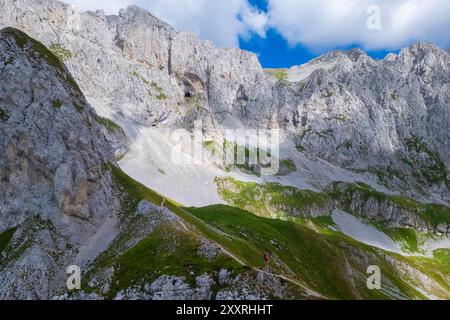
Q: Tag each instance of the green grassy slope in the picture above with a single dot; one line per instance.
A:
(5, 238)
(305, 250)
(271, 199)
(321, 260)
(167, 250)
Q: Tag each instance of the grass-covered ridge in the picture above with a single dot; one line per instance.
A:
(166, 251)
(271, 199)
(5, 238)
(32, 46)
(110, 125)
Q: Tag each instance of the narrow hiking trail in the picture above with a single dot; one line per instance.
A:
(307, 290)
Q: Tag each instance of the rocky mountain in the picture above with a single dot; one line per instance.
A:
(386, 117)
(64, 202)
(364, 157)
(377, 118)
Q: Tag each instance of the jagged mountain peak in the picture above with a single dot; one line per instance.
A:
(138, 15)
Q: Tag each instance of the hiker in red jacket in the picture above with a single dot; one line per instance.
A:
(267, 261)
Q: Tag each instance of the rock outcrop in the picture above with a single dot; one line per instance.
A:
(53, 166)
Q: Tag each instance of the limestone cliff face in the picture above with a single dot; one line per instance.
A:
(139, 66)
(53, 152)
(386, 119)
(55, 186)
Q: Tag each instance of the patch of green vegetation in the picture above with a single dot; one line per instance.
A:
(161, 96)
(407, 238)
(436, 214)
(135, 191)
(442, 257)
(110, 125)
(280, 74)
(209, 144)
(231, 152)
(340, 117)
(385, 174)
(62, 53)
(160, 91)
(287, 166)
(395, 95)
(438, 267)
(78, 106)
(152, 86)
(300, 148)
(166, 251)
(56, 104)
(213, 148)
(272, 199)
(269, 199)
(5, 238)
(156, 86)
(141, 77)
(4, 115)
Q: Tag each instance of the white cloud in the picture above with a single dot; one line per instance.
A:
(319, 24)
(326, 24)
(219, 21)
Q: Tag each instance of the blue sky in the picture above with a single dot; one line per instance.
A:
(284, 33)
(274, 51)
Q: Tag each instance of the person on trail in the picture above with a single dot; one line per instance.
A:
(267, 261)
